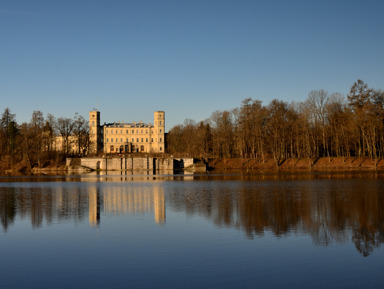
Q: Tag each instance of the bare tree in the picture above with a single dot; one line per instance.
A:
(318, 100)
(65, 128)
(81, 133)
(359, 99)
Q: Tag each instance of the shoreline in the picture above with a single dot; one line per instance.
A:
(304, 164)
(323, 164)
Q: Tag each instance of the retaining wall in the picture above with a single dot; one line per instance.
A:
(121, 164)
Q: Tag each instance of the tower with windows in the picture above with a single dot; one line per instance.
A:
(158, 144)
(95, 132)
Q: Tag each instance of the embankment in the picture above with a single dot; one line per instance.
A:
(149, 164)
(320, 164)
(201, 166)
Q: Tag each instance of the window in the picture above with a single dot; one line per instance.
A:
(121, 131)
(111, 131)
(93, 123)
(137, 140)
(117, 140)
(151, 139)
(133, 131)
(146, 140)
(126, 131)
(137, 131)
(111, 139)
(121, 140)
(146, 131)
(112, 148)
(141, 131)
(160, 122)
(107, 140)
(160, 139)
(161, 148)
(160, 131)
(126, 140)
(142, 140)
(133, 140)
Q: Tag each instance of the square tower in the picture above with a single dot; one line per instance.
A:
(159, 131)
(94, 132)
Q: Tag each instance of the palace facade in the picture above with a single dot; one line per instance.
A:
(124, 137)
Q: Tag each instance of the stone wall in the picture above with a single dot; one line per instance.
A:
(121, 164)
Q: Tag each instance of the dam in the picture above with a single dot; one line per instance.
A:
(150, 164)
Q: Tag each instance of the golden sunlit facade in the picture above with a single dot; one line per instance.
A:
(121, 137)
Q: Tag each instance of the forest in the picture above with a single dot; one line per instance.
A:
(32, 144)
(325, 124)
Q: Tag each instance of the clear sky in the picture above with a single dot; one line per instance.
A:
(188, 58)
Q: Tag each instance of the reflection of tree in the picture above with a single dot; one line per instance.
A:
(368, 226)
(42, 205)
(365, 241)
(328, 211)
(7, 207)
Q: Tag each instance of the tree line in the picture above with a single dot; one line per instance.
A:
(324, 125)
(34, 143)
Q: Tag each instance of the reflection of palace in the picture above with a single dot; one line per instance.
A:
(94, 207)
(118, 200)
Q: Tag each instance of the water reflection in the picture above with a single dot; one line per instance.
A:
(329, 211)
(117, 200)
(59, 203)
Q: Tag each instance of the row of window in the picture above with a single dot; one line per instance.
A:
(127, 131)
(121, 150)
(133, 140)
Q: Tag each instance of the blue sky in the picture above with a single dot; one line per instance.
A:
(188, 58)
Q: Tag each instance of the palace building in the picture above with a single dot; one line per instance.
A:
(124, 137)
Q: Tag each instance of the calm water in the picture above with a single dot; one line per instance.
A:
(220, 231)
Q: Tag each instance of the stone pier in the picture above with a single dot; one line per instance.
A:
(124, 164)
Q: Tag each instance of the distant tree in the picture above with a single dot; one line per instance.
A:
(223, 133)
(251, 125)
(81, 133)
(359, 99)
(205, 137)
(318, 100)
(36, 135)
(175, 140)
(13, 132)
(359, 95)
(65, 128)
(277, 130)
(49, 132)
(6, 118)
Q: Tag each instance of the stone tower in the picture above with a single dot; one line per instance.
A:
(159, 131)
(95, 135)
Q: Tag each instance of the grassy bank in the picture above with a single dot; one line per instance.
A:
(324, 163)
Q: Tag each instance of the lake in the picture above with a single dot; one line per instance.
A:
(287, 230)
